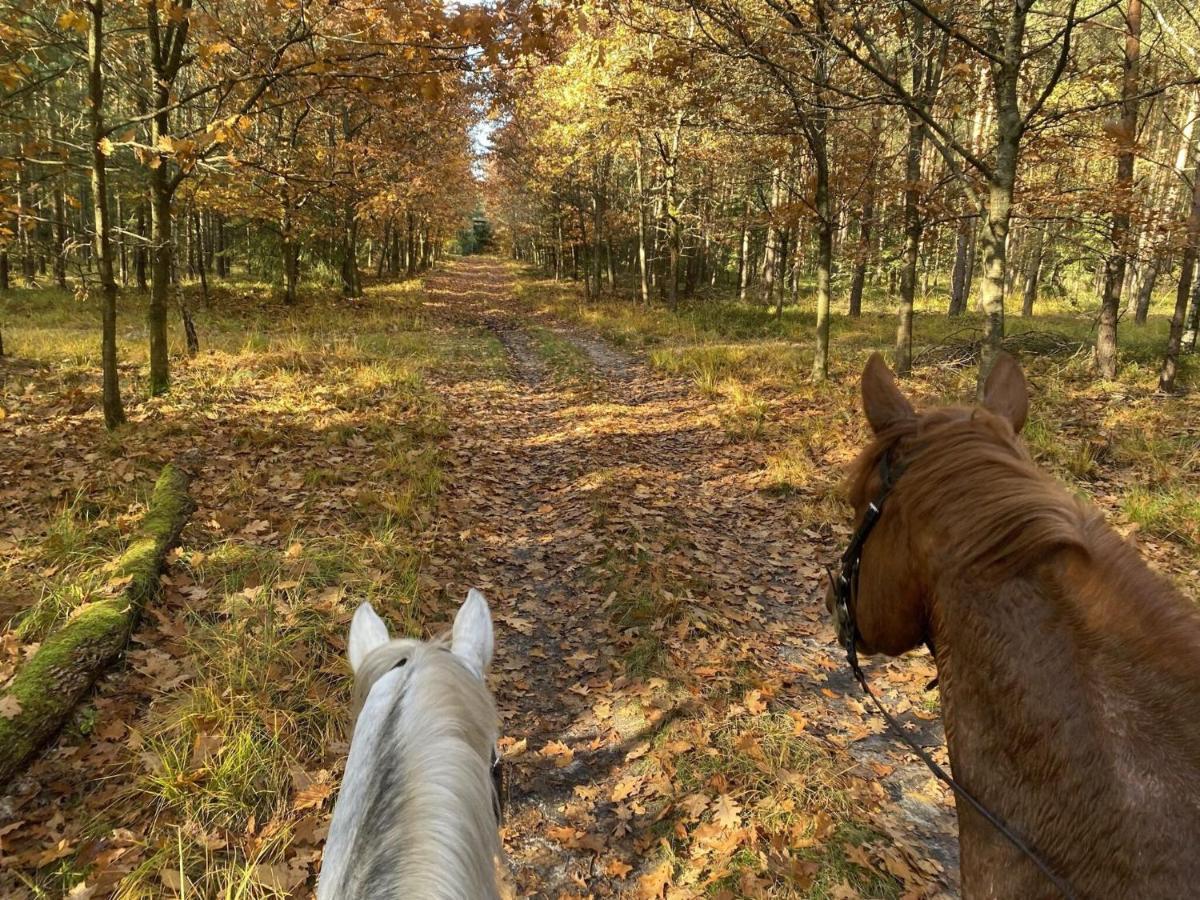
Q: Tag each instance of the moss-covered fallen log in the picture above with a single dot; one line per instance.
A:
(45, 690)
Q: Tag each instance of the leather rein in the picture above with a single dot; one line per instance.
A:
(845, 593)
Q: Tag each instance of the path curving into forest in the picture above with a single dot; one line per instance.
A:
(552, 494)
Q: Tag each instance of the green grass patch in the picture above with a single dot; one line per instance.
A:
(565, 360)
(1171, 513)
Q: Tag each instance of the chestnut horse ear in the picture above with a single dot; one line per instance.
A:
(882, 401)
(1005, 392)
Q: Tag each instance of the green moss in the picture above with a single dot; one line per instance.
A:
(46, 688)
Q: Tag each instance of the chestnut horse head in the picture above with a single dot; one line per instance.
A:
(1069, 672)
(892, 612)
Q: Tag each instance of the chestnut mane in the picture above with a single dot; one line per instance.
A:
(965, 469)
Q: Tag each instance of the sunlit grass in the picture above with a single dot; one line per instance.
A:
(746, 340)
(1171, 513)
(242, 321)
(744, 414)
(67, 558)
(59, 597)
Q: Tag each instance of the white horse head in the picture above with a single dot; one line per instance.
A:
(416, 813)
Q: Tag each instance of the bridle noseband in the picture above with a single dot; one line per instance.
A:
(844, 586)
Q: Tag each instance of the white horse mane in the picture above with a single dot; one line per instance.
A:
(415, 817)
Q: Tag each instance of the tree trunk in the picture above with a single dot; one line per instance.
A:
(139, 255)
(675, 232)
(351, 285)
(744, 263)
(60, 236)
(581, 244)
(770, 260)
(597, 240)
(784, 252)
(1187, 275)
(912, 244)
(1145, 292)
(818, 143)
(1114, 273)
(160, 278)
(559, 260)
(383, 250)
(167, 48)
(1033, 271)
(643, 280)
(114, 413)
(291, 271)
(221, 256)
(993, 244)
(123, 246)
(201, 266)
(191, 338)
(411, 253)
(22, 230)
(610, 273)
(866, 220)
(1193, 319)
(862, 254)
(960, 277)
(49, 684)
(288, 248)
(189, 245)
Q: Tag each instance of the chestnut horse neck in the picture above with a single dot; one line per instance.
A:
(1070, 673)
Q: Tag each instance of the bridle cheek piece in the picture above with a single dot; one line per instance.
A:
(845, 583)
(498, 773)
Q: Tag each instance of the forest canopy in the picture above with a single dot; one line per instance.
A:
(782, 151)
(147, 142)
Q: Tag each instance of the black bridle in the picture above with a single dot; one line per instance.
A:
(499, 786)
(844, 586)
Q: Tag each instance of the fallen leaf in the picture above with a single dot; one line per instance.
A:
(653, 883)
(726, 812)
(10, 707)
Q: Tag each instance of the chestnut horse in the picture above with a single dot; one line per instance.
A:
(1069, 672)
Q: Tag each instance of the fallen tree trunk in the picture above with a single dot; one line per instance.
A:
(45, 690)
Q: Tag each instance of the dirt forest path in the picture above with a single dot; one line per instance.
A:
(551, 497)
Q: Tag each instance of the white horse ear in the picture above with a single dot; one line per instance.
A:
(367, 631)
(472, 640)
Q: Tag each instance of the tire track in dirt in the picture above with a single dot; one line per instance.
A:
(539, 482)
